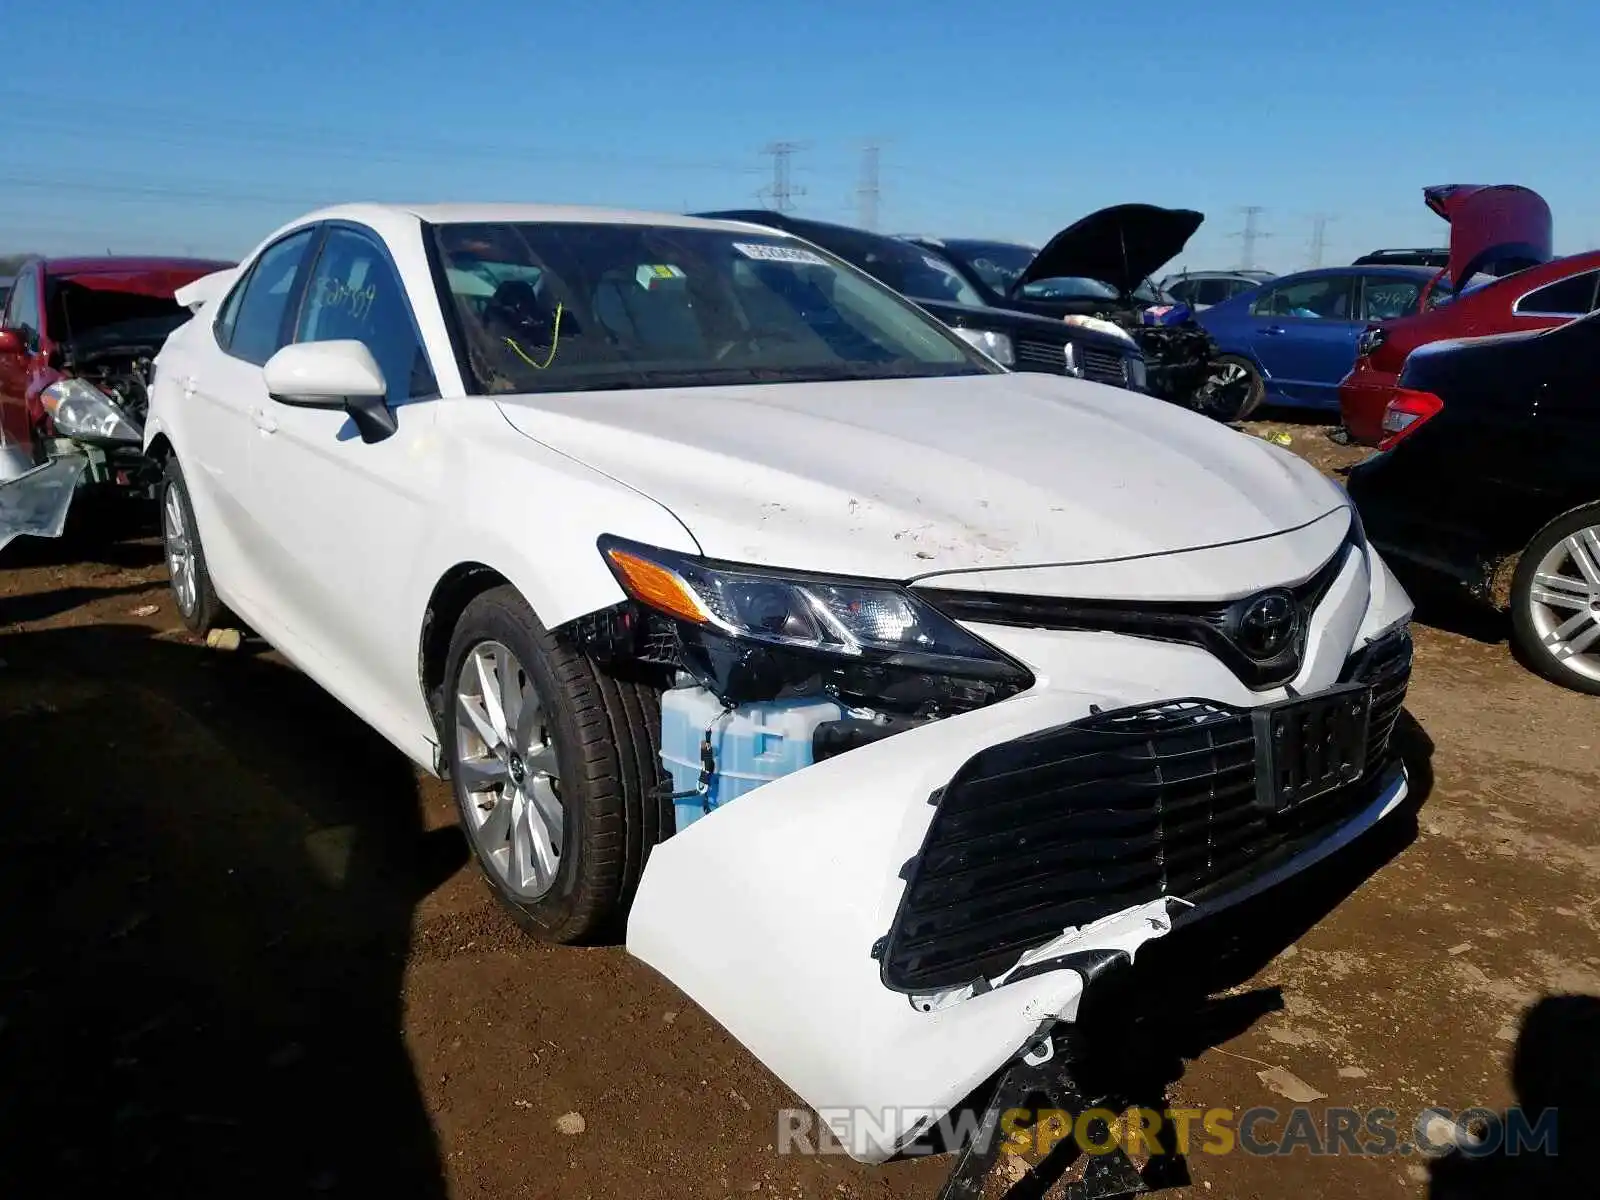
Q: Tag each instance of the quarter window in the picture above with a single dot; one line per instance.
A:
(254, 315)
(355, 295)
(1569, 297)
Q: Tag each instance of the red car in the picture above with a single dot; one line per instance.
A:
(1504, 228)
(76, 341)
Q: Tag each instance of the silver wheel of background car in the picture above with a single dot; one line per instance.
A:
(1564, 602)
(180, 552)
(508, 771)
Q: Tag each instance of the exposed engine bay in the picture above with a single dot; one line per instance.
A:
(747, 706)
(123, 374)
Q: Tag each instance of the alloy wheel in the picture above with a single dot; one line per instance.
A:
(180, 552)
(1564, 602)
(506, 765)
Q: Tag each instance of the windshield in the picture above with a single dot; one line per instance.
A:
(998, 264)
(587, 306)
(85, 310)
(919, 273)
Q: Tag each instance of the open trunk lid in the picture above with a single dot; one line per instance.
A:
(1504, 226)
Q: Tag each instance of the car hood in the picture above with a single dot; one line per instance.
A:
(1122, 246)
(900, 479)
(1502, 225)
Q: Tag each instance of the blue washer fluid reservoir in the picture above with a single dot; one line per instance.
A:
(752, 744)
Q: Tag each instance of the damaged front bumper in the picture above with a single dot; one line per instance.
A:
(35, 503)
(848, 922)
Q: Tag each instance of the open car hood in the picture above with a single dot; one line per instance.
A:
(1503, 225)
(1122, 246)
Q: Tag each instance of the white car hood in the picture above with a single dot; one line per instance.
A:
(898, 479)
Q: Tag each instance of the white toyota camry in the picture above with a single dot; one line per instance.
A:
(886, 696)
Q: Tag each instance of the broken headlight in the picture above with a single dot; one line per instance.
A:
(83, 412)
(864, 621)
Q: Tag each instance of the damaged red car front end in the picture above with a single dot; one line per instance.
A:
(1496, 230)
(77, 345)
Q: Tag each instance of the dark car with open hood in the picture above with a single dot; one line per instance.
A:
(1097, 273)
(78, 338)
(1019, 340)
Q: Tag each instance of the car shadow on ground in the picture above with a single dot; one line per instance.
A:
(209, 870)
(1546, 1145)
(1169, 1008)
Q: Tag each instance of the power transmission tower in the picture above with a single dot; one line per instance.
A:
(1319, 239)
(868, 191)
(1249, 235)
(783, 189)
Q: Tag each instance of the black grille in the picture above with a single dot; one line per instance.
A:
(1209, 625)
(1048, 357)
(1071, 824)
(1103, 366)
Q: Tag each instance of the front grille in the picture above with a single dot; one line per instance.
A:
(1061, 827)
(1103, 366)
(1210, 625)
(1050, 357)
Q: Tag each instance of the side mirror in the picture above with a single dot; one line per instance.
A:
(340, 375)
(10, 342)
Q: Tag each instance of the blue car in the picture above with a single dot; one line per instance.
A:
(1295, 336)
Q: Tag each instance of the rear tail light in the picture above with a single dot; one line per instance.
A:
(1406, 413)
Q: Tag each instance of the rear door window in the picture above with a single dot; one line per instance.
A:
(255, 314)
(1569, 297)
(1384, 297)
(1211, 291)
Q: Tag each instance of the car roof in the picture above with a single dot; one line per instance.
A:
(125, 264)
(466, 214)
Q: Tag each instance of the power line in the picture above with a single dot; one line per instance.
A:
(1319, 237)
(782, 189)
(1249, 235)
(868, 192)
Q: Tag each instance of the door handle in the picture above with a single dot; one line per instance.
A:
(264, 421)
(1273, 330)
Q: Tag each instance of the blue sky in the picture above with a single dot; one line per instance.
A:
(178, 125)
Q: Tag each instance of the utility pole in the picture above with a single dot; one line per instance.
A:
(1319, 239)
(868, 191)
(782, 190)
(1248, 236)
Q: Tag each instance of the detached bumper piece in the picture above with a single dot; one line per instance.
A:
(1187, 799)
(35, 504)
(1044, 1077)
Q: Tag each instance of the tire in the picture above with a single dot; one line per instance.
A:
(1552, 639)
(1235, 401)
(198, 604)
(590, 755)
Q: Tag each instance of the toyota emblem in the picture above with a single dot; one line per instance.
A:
(1267, 625)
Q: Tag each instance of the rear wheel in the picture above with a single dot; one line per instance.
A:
(1233, 389)
(554, 767)
(1555, 601)
(192, 591)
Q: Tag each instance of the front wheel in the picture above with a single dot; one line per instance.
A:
(1233, 389)
(554, 766)
(1555, 601)
(187, 573)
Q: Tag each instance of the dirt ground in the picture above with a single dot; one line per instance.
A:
(243, 953)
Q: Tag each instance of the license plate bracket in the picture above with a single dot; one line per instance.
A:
(1308, 746)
